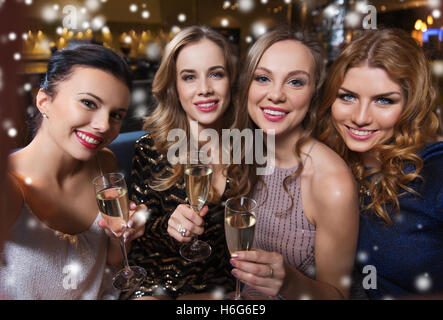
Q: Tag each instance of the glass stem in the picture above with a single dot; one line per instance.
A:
(237, 290)
(194, 245)
(128, 272)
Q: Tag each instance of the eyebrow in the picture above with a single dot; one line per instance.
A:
(210, 69)
(290, 74)
(101, 100)
(92, 95)
(377, 95)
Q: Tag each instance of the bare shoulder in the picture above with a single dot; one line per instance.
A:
(11, 198)
(331, 180)
(107, 159)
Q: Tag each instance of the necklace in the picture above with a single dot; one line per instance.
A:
(375, 179)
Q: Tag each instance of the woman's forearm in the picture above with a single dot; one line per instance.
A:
(298, 286)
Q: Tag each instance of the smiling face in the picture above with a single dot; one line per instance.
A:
(202, 82)
(282, 87)
(86, 112)
(368, 106)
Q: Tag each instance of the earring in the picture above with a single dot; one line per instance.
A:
(44, 115)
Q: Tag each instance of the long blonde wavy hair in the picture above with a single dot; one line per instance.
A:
(169, 114)
(400, 56)
(246, 173)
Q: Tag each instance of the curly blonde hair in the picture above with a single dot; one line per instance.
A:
(400, 56)
(169, 114)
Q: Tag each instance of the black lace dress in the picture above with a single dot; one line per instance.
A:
(157, 252)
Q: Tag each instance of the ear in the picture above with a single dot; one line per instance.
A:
(42, 101)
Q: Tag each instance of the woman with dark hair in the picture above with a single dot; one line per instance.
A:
(56, 248)
(192, 85)
(307, 219)
(378, 114)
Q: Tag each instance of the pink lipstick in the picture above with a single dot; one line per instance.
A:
(273, 113)
(206, 105)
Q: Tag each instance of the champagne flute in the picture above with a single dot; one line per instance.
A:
(112, 198)
(198, 176)
(240, 218)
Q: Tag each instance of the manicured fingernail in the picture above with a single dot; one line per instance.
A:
(234, 272)
(233, 262)
(234, 255)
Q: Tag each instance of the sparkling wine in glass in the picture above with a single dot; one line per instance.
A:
(198, 178)
(240, 218)
(112, 199)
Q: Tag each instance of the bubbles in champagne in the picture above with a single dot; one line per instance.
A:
(198, 183)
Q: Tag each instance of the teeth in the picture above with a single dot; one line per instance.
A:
(206, 105)
(274, 112)
(87, 138)
(361, 132)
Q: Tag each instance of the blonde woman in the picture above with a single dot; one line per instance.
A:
(307, 220)
(192, 85)
(377, 113)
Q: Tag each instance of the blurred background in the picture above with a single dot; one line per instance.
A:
(139, 30)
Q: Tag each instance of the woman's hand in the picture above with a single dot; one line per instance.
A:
(264, 271)
(184, 223)
(135, 228)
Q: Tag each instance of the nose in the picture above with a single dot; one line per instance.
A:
(205, 87)
(362, 114)
(277, 94)
(100, 122)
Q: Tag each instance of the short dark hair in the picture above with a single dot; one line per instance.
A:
(63, 61)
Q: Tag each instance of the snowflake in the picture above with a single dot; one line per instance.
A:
(181, 17)
(153, 51)
(139, 95)
(12, 132)
(145, 14)
(362, 256)
(437, 68)
(258, 29)
(218, 294)
(245, 6)
(140, 111)
(346, 281)
(98, 22)
(32, 224)
(434, 3)
(49, 14)
(133, 8)
(92, 5)
(353, 19)
(423, 282)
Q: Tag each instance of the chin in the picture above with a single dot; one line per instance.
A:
(209, 121)
(84, 155)
(360, 148)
